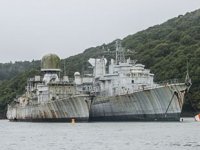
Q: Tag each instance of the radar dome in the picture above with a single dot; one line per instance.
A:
(76, 74)
(50, 62)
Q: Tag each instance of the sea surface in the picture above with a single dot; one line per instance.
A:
(100, 136)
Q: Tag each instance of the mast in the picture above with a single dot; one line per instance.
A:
(120, 58)
(64, 68)
(188, 81)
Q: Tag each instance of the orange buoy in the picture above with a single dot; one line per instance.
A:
(197, 117)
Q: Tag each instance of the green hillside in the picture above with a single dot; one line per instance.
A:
(165, 49)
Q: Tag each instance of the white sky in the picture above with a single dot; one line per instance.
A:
(31, 28)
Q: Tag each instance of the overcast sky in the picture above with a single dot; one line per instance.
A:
(31, 28)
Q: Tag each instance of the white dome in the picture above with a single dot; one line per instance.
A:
(76, 74)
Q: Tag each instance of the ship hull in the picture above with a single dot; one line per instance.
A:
(163, 103)
(138, 117)
(64, 110)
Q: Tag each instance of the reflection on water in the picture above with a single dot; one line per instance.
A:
(100, 136)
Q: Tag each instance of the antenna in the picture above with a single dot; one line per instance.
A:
(188, 81)
(64, 68)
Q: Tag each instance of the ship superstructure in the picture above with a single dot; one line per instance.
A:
(50, 97)
(127, 92)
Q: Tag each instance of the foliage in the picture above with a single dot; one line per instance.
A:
(9, 70)
(10, 89)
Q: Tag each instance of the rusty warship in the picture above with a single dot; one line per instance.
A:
(126, 92)
(50, 97)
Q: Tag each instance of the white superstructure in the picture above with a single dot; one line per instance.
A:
(123, 76)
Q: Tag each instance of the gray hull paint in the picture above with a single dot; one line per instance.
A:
(64, 110)
(163, 103)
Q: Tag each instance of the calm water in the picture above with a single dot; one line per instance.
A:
(100, 136)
